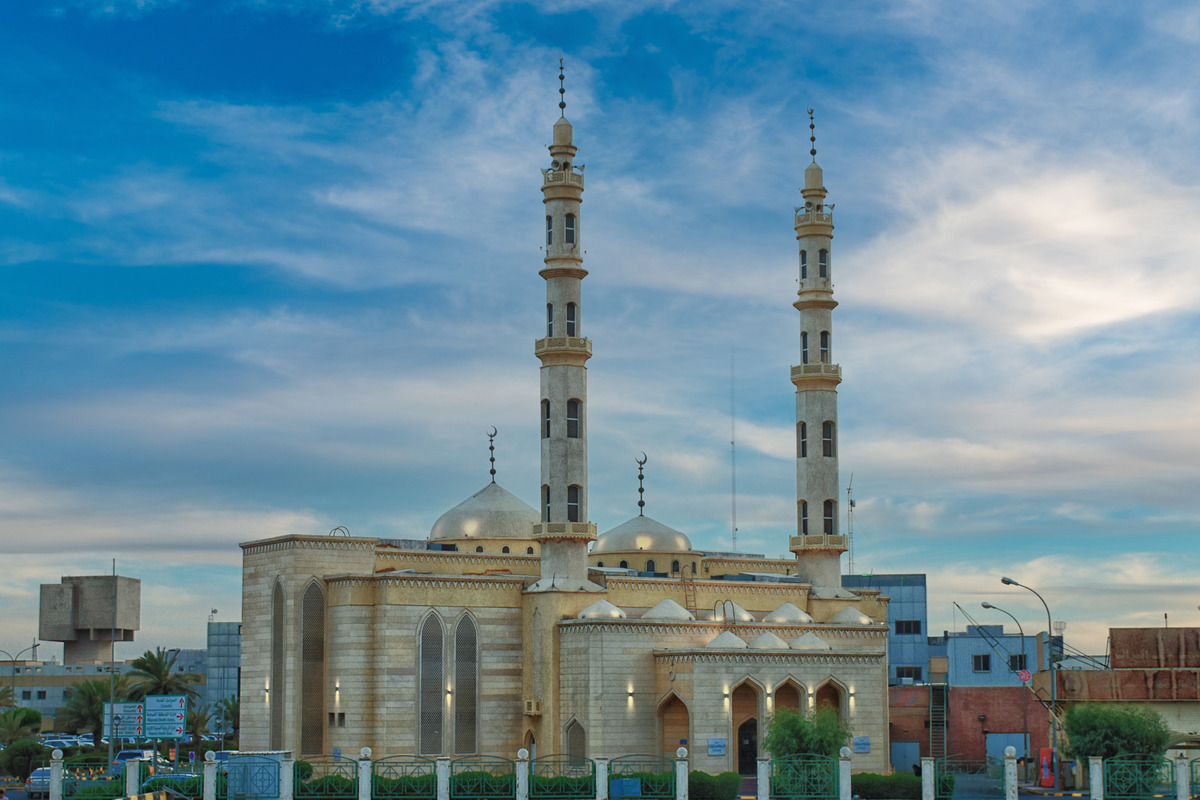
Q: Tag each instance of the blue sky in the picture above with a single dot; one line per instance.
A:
(271, 267)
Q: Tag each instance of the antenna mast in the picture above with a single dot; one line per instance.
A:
(732, 454)
(850, 522)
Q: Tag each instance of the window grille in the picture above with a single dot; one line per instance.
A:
(823, 263)
(466, 683)
(545, 419)
(830, 517)
(570, 231)
(827, 441)
(803, 517)
(572, 419)
(549, 319)
(549, 231)
(312, 675)
(277, 658)
(824, 347)
(804, 347)
(572, 503)
(571, 319)
(803, 264)
(802, 440)
(431, 687)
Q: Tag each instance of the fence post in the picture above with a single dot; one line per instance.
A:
(763, 774)
(287, 777)
(927, 778)
(133, 771)
(601, 779)
(681, 774)
(364, 774)
(443, 778)
(522, 774)
(56, 775)
(844, 774)
(210, 775)
(1010, 773)
(1096, 777)
(1182, 779)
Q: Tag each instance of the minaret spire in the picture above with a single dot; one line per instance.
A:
(492, 451)
(818, 545)
(641, 503)
(564, 531)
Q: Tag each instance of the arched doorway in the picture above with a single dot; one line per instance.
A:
(829, 696)
(745, 725)
(787, 695)
(673, 721)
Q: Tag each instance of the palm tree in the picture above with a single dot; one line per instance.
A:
(229, 711)
(18, 723)
(155, 673)
(83, 707)
(197, 722)
(6, 697)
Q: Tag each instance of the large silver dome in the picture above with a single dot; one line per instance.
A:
(491, 513)
(642, 533)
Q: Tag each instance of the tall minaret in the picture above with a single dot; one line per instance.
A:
(564, 532)
(818, 546)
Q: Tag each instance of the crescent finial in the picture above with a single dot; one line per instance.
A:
(493, 431)
(642, 461)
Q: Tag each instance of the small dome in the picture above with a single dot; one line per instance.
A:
(491, 513)
(668, 609)
(768, 641)
(788, 613)
(851, 616)
(727, 641)
(602, 609)
(730, 611)
(642, 533)
(810, 641)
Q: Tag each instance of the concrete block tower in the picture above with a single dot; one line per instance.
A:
(818, 545)
(564, 532)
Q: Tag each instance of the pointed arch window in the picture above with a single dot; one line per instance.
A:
(431, 703)
(828, 439)
(599, 563)
(569, 238)
(529, 550)
(830, 517)
(572, 419)
(466, 687)
(571, 319)
(803, 517)
(549, 319)
(549, 231)
(651, 566)
(312, 670)
(545, 503)
(576, 742)
(804, 347)
(573, 503)
(674, 566)
(545, 419)
(802, 440)
(824, 347)
(624, 564)
(823, 263)
(803, 264)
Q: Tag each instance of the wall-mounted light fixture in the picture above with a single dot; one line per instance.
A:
(631, 693)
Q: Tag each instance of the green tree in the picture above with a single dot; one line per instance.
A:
(19, 723)
(791, 733)
(83, 708)
(197, 722)
(1104, 730)
(19, 758)
(229, 711)
(6, 697)
(155, 673)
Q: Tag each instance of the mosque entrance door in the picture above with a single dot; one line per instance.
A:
(747, 739)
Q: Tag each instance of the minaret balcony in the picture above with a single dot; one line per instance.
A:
(816, 542)
(817, 370)
(563, 344)
(568, 177)
(814, 218)
(561, 531)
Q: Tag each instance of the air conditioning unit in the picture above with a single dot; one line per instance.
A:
(533, 708)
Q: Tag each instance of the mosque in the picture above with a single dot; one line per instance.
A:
(513, 626)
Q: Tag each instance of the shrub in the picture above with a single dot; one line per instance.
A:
(20, 758)
(405, 786)
(1115, 730)
(898, 786)
(791, 733)
(705, 786)
(329, 786)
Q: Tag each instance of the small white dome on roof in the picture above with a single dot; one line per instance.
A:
(729, 611)
(727, 641)
(668, 609)
(788, 613)
(851, 616)
(810, 641)
(491, 513)
(642, 533)
(602, 609)
(768, 641)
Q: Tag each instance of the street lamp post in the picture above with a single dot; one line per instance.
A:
(1053, 678)
(1024, 665)
(12, 661)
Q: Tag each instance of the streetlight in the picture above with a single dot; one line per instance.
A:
(1053, 678)
(1024, 666)
(12, 660)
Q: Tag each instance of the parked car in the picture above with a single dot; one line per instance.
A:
(38, 783)
(129, 755)
(60, 743)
